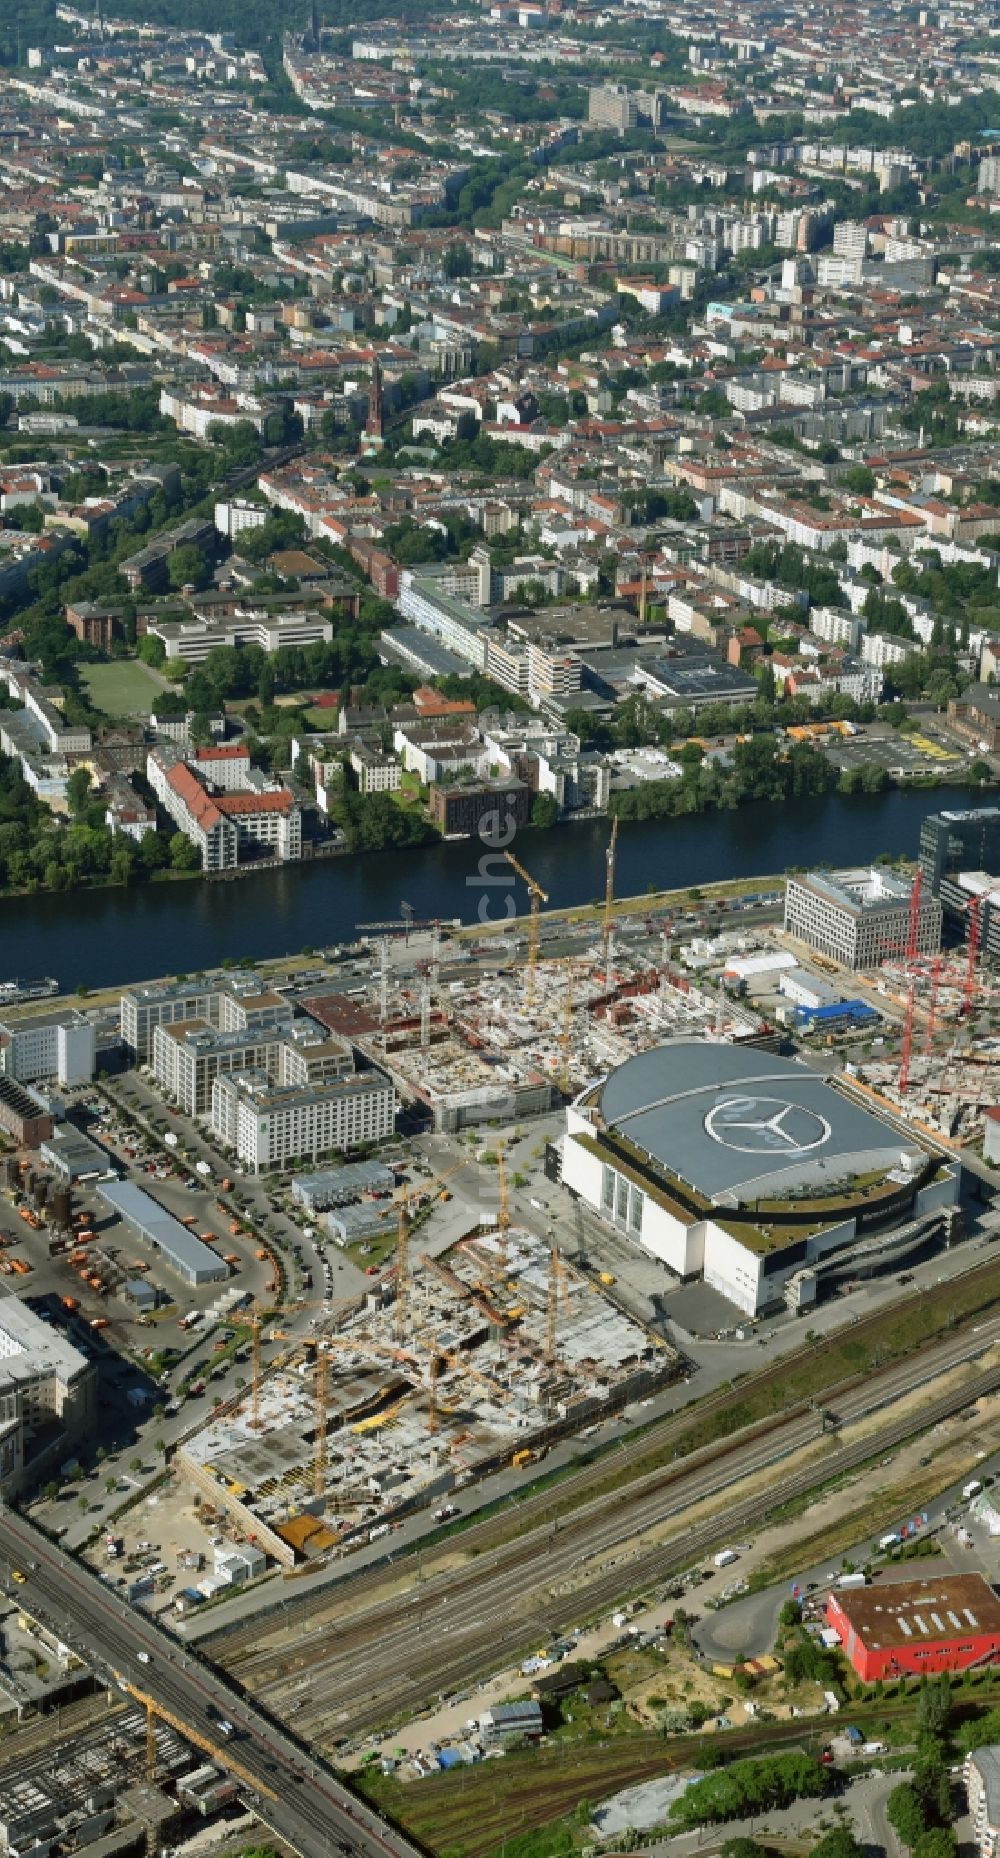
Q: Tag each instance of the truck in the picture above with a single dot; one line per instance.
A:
(521, 1458)
(971, 1489)
(191, 1320)
(852, 1580)
(725, 1557)
(891, 1540)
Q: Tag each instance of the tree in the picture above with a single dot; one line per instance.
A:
(187, 567)
(544, 811)
(184, 856)
(840, 1843)
(934, 1706)
(905, 1814)
(51, 1491)
(936, 1842)
(78, 790)
(152, 650)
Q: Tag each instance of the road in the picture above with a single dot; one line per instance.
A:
(455, 1625)
(295, 1794)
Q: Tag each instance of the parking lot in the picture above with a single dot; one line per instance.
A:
(900, 755)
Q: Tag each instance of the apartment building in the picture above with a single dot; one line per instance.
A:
(375, 773)
(253, 810)
(982, 1779)
(270, 1125)
(859, 917)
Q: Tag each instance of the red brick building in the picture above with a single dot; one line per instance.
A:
(943, 1622)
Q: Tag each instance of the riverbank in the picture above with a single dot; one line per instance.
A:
(98, 937)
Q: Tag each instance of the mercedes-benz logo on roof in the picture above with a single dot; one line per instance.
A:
(766, 1126)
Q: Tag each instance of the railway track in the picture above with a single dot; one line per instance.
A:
(533, 1511)
(463, 1622)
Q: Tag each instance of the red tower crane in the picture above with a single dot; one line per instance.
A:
(936, 967)
(906, 1051)
(913, 938)
(969, 990)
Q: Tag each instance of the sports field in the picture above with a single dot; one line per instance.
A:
(123, 688)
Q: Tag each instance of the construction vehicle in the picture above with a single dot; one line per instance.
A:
(70, 1304)
(607, 1277)
(521, 1458)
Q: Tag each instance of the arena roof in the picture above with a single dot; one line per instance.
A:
(737, 1124)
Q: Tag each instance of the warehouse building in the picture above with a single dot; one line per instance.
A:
(185, 1254)
(945, 1622)
(740, 1168)
(859, 917)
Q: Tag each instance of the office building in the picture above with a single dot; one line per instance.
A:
(269, 1125)
(859, 917)
(956, 841)
(56, 1044)
(47, 1387)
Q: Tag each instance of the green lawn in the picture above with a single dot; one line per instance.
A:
(124, 687)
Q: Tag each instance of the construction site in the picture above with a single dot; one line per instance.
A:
(946, 1075)
(507, 1034)
(456, 1366)
(129, 1781)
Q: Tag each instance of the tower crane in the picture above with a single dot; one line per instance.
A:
(503, 1216)
(609, 901)
(403, 1246)
(225, 1760)
(565, 1036)
(537, 896)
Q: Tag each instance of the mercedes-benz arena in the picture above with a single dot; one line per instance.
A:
(728, 1163)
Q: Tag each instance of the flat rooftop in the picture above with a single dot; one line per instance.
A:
(29, 1346)
(180, 1248)
(944, 1606)
(863, 890)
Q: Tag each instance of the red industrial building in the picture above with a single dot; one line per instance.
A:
(944, 1622)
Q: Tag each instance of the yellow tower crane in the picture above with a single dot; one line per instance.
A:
(566, 1035)
(557, 1292)
(537, 896)
(503, 1216)
(218, 1754)
(609, 901)
(322, 1403)
(403, 1245)
(256, 1318)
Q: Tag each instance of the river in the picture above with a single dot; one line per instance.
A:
(100, 937)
